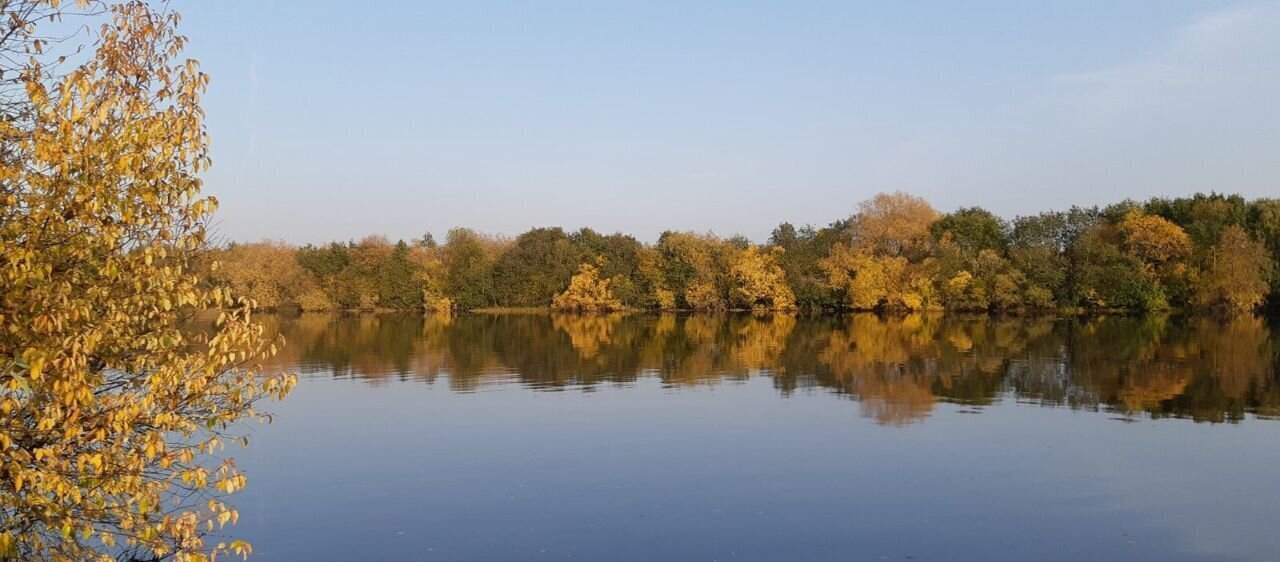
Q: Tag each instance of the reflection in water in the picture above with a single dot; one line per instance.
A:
(895, 367)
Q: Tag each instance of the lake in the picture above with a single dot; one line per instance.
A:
(768, 438)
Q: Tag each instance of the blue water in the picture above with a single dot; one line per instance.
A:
(398, 461)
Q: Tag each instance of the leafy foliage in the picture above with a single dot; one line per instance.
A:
(1233, 280)
(115, 417)
(587, 292)
(535, 268)
(758, 280)
(893, 224)
(803, 250)
(972, 229)
(895, 253)
(267, 272)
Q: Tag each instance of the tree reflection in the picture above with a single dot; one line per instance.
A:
(897, 368)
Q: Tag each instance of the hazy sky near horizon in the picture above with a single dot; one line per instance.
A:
(332, 120)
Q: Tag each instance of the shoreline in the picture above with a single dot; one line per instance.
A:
(888, 313)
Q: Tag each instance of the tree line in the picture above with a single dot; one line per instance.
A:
(896, 252)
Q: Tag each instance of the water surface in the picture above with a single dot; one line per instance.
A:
(739, 437)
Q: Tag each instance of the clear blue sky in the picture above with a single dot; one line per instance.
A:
(331, 120)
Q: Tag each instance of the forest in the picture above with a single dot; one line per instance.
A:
(1207, 252)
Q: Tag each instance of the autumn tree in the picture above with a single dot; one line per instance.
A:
(1264, 221)
(114, 416)
(652, 277)
(893, 224)
(587, 292)
(363, 279)
(973, 271)
(622, 256)
(758, 280)
(989, 281)
(868, 281)
(267, 272)
(886, 265)
(1233, 280)
(428, 261)
(1154, 240)
(345, 272)
(694, 268)
(1105, 276)
(1052, 250)
(1163, 248)
(1203, 217)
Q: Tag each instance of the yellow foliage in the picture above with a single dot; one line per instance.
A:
(666, 300)
(266, 272)
(872, 360)
(587, 292)
(963, 292)
(761, 341)
(650, 275)
(1153, 239)
(1234, 280)
(758, 280)
(111, 410)
(893, 224)
(432, 276)
(315, 300)
(870, 281)
(696, 266)
(588, 332)
(436, 302)
(703, 295)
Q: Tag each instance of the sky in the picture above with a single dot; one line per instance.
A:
(334, 120)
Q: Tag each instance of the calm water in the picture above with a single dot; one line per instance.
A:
(531, 437)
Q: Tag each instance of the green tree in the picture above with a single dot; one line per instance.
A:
(324, 262)
(1203, 217)
(468, 262)
(1105, 276)
(399, 280)
(972, 229)
(695, 269)
(1264, 220)
(1041, 248)
(804, 249)
(538, 265)
(622, 255)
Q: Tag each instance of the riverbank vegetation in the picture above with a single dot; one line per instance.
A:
(1206, 252)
